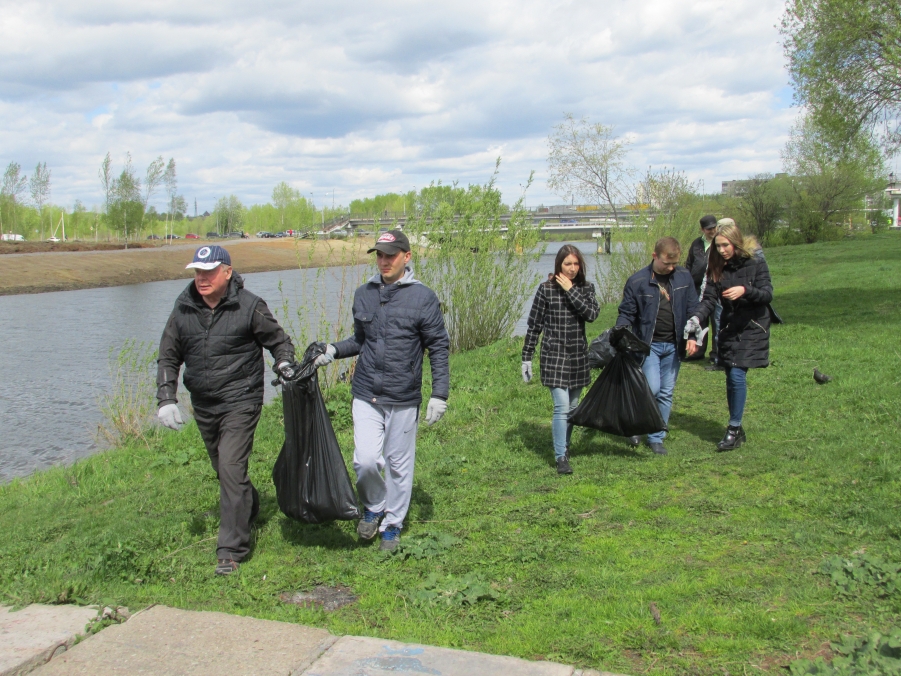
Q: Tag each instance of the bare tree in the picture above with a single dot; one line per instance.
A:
(14, 182)
(39, 186)
(586, 160)
(170, 181)
(152, 180)
(106, 180)
(666, 192)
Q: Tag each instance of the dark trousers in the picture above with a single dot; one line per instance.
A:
(229, 439)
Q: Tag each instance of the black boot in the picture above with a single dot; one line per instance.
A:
(735, 437)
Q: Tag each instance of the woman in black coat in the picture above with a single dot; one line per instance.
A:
(740, 281)
(561, 307)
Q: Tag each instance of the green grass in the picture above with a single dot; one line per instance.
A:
(726, 545)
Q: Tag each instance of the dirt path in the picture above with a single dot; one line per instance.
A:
(67, 270)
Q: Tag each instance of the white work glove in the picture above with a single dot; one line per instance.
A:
(170, 416)
(326, 357)
(526, 371)
(692, 326)
(435, 410)
(286, 372)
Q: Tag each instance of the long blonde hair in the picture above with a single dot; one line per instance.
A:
(745, 246)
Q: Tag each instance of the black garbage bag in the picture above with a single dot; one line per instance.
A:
(620, 401)
(601, 352)
(311, 480)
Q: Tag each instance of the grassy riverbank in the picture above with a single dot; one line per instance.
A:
(67, 269)
(726, 546)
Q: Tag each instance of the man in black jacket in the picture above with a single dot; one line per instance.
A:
(697, 266)
(218, 331)
(656, 299)
(396, 318)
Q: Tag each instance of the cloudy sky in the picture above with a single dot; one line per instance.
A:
(357, 98)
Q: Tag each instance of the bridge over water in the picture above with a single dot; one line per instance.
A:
(600, 222)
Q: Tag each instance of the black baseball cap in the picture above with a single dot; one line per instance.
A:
(708, 221)
(391, 242)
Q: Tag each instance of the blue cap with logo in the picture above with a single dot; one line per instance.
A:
(208, 257)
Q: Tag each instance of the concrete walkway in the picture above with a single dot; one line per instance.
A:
(167, 642)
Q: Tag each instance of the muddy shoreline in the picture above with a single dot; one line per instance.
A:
(58, 269)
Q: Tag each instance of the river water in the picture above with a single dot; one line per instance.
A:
(56, 351)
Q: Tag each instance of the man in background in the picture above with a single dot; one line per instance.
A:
(696, 263)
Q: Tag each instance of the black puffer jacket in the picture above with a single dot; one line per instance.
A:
(393, 325)
(744, 336)
(221, 349)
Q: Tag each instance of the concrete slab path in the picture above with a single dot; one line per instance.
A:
(167, 642)
(30, 636)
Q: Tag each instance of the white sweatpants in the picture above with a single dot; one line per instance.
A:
(385, 433)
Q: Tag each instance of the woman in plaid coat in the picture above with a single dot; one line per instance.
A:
(561, 307)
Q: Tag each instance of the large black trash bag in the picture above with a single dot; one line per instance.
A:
(311, 480)
(600, 351)
(620, 401)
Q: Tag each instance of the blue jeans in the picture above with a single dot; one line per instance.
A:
(661, 368)
(565, 401)
(736, 393)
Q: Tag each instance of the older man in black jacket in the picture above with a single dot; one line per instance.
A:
(396, 318)
(696, 262)
(656, 299)
(218, 331)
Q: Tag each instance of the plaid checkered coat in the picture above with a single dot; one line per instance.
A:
(561, 315)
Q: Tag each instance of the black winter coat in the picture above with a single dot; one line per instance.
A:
(221, 349)
(393, 326)
(561, 315)
(744, 336)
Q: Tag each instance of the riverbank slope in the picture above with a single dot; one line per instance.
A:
(692, 563)
(68, 270)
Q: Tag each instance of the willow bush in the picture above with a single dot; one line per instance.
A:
(480, 263)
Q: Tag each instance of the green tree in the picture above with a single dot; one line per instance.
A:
(588, 162)
(156, 171)
(478, 263)
(283, 198)
(78, 211)
(763, 203)
(830, 176)
(844, 57)
(14, 182)
(126, 208)
(229, 214)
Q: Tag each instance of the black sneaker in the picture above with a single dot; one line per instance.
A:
(368, 526)
(563, 465)
(390, 539)
(635, 441)
(657, 448)
(226, 566)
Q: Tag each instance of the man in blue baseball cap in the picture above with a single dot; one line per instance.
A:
(218, 330)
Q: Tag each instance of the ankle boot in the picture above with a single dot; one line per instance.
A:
(734, 438)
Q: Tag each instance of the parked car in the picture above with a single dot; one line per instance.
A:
(11, 237)
(54, 239)
(212, 235)
(172, 237)
(191, 235)
(263, 234)
(280, 234)
(236, 233)
(153, 236)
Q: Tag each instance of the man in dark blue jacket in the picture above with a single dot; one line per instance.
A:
(396, 318)
(657, 301)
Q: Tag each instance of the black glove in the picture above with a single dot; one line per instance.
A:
(286, 372)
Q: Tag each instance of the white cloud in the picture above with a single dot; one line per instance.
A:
(368, 98)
